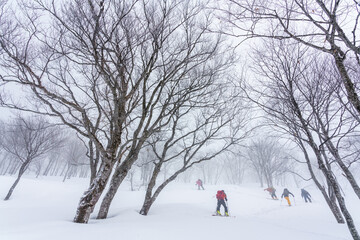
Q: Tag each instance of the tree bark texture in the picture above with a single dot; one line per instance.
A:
(92, 195)
(116, 180)
(328, 174)
(348, 83)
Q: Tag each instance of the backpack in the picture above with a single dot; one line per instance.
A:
(220, 195)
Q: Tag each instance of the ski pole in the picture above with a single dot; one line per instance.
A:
(281, 201)
(227, 206)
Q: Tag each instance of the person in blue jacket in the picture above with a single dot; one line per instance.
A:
(306, 195)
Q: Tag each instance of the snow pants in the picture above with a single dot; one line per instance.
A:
(288, 200)
(219, 203)
(273, 195)
(306, 198)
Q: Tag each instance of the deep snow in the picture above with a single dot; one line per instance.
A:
(42, 209)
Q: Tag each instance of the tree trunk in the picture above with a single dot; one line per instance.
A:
(349, 85)
(328, 174)
(349, 176)
(92, 195)
(149, 199)
(94, 159)
(328, 198)
(22, 169)
(117, 178)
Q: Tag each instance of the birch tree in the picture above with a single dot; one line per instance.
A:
(331, 27)
(284, 69)
(110, 70)
(28, 139)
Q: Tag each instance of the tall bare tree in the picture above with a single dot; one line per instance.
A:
(196, 134)
(28, 139)
(110, 70)
(285, 100)
(268, 160)
(331, 27)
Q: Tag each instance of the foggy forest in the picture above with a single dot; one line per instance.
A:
(144, 94)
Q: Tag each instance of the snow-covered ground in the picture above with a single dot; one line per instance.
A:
(42, 209)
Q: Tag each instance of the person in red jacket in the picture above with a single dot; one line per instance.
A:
(221, 198)
(199, 183)
(272, 191)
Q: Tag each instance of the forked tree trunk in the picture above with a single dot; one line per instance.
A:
(150, 199)
(92, 195)
(117, 178)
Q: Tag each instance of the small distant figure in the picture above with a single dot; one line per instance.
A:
(271, 191)
(221, 198)
(306, 195)
(199, 183)
(286, 194)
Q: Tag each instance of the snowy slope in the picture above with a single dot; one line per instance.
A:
(42, 209)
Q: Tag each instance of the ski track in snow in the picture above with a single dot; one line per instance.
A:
(42, 209)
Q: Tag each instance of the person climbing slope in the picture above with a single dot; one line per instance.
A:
(272, 191)
(306, 195)
(199, 183)
(286, 194)
(221, 198)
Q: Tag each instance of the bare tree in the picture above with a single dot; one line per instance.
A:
(317, 24)
(235, 167)
(285, 100)
(75, 156)
(268, 160)
(194, 136)
(28, 139)
(109, 70)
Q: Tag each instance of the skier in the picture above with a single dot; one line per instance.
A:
(286, 195)
(221, 198)
(272, 191)
(199, 183)
(306, 195)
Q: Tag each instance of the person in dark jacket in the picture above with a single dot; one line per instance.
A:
(221, 198)
(272, 191)
(306, 195)
(286, 194)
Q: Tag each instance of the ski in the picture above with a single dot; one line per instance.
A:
(215, 215)
(272, 198)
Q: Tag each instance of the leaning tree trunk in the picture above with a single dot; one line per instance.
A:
(117, 178)
(341, 201)
(328, 198)
(349, 85)
(328, 174)
(22, 169)
(349, 176)
(92, 195)
(149, 200)
(335, 153)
